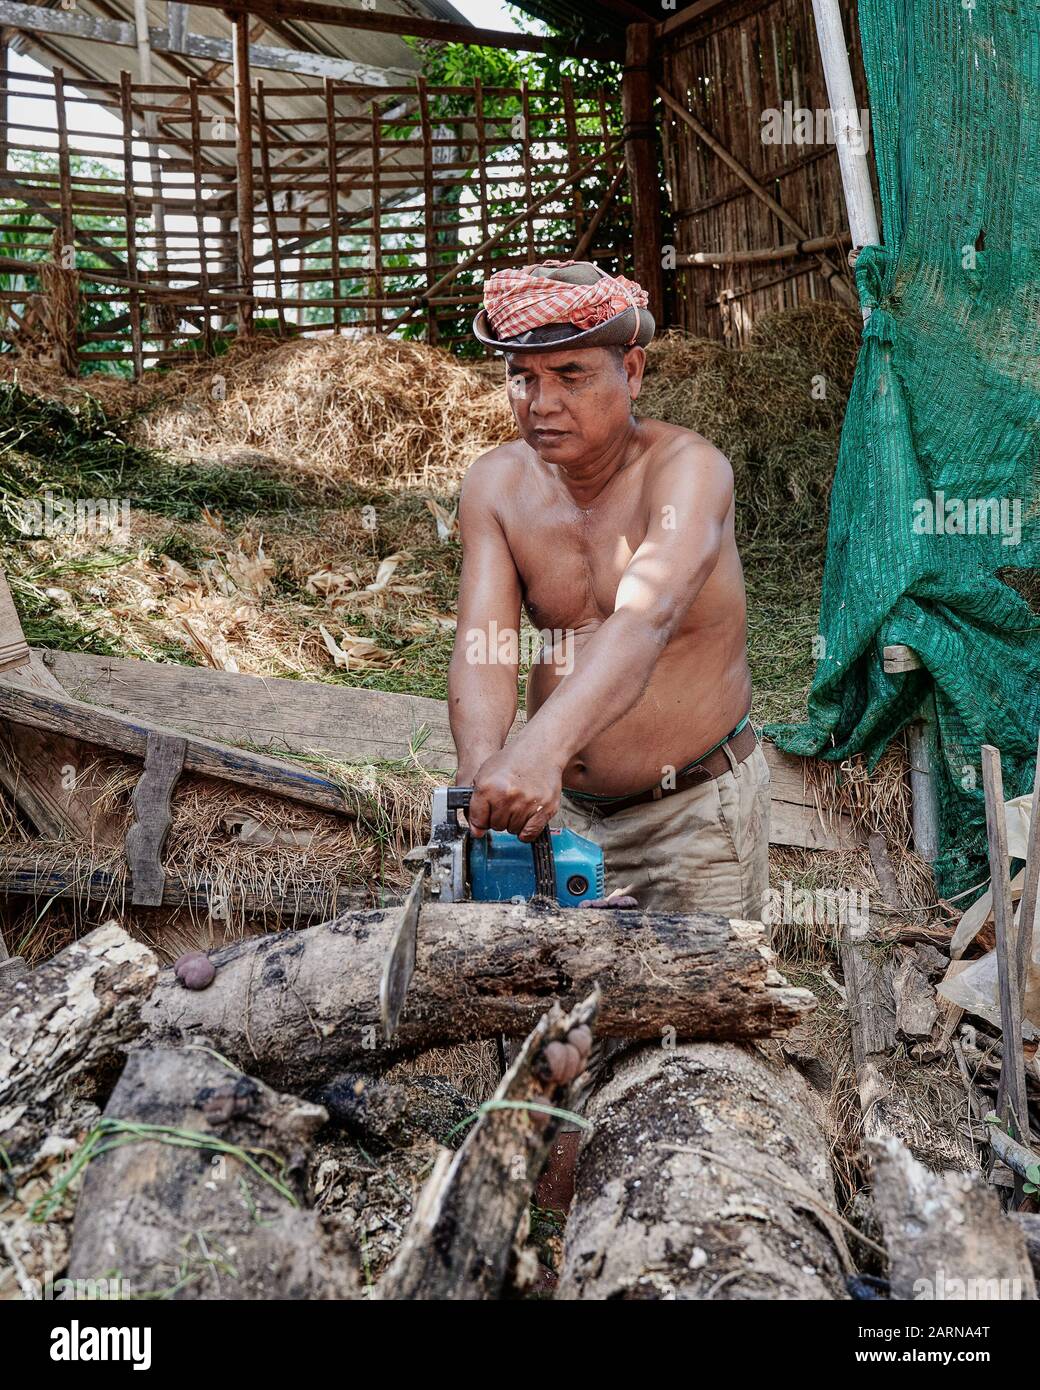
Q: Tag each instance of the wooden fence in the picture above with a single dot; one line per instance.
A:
(727, 71)
(371, 208)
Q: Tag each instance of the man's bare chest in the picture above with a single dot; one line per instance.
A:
(570, 564)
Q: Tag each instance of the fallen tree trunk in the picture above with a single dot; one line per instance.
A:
(459, 1241)
(62, 1024)
(707, 1175)
(197, 1188)
(298, 1007)
(946, 1235)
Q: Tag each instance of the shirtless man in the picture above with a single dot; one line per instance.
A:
(615, 534)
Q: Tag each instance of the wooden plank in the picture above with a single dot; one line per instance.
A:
(14, 650)
(870, 995)
(73, 718)
(1011, 1098)
(163, 764)
(899, 657)
(354, 726)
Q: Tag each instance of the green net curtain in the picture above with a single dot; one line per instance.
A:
(941, 441)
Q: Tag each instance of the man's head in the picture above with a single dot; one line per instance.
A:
(572, 403)
(573, 339)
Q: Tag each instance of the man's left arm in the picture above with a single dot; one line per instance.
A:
(519, 788)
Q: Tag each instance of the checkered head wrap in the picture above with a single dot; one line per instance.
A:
(518, 301)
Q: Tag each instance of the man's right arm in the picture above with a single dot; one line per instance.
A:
(482, 679)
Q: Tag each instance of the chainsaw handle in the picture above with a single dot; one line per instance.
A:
(541, 847)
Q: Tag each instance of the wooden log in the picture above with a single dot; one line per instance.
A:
(707, 1176)
(458, 1244)
(197, 1188)
(298, 1007)
(65, 1022)
(945, 1228)
(870, 996)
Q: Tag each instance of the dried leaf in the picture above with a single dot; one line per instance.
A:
(447, 522)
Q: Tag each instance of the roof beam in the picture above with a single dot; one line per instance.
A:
(36, 19)
(677, 22)
(306, 12)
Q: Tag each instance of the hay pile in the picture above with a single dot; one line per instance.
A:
(366, 410)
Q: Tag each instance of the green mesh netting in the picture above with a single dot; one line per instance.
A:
(946, 401)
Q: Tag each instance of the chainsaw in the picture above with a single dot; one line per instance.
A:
(558, 868)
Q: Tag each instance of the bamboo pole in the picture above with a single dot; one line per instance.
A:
(333, 190)
(244, 160)
(272, 216)
(200, 216)
(848, 135)
(126, 101)
(428, 224)
(790, 250)
(375, 243)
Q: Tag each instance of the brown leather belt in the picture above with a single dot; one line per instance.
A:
(714, 764)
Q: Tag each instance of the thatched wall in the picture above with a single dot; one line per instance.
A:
(739, 61)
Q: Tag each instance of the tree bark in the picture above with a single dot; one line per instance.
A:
(194, 1221)
(946, 1235)
(63, 1024)
(707, 1176)
(298, 1007)
(458, 1244)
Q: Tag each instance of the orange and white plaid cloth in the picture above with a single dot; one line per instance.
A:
(517, 301)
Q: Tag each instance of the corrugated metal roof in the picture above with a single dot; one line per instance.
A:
(104, 62)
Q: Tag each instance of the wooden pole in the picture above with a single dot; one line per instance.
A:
(430, 235)
(272, 216)
(200, 215)
(130, 204)
(375, 243)
(244, 188)
(1031, 887)
(1012, 1101)
(637, 105)
(333, 157)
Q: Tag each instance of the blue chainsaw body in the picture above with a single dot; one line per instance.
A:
(501, 867)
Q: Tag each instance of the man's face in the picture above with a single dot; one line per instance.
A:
(570, 405)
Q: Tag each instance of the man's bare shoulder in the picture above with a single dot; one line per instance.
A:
(488, 474)
(672, 449)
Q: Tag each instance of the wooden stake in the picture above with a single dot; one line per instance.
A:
(1012, 1106)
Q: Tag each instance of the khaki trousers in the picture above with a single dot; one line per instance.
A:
(705, 849)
